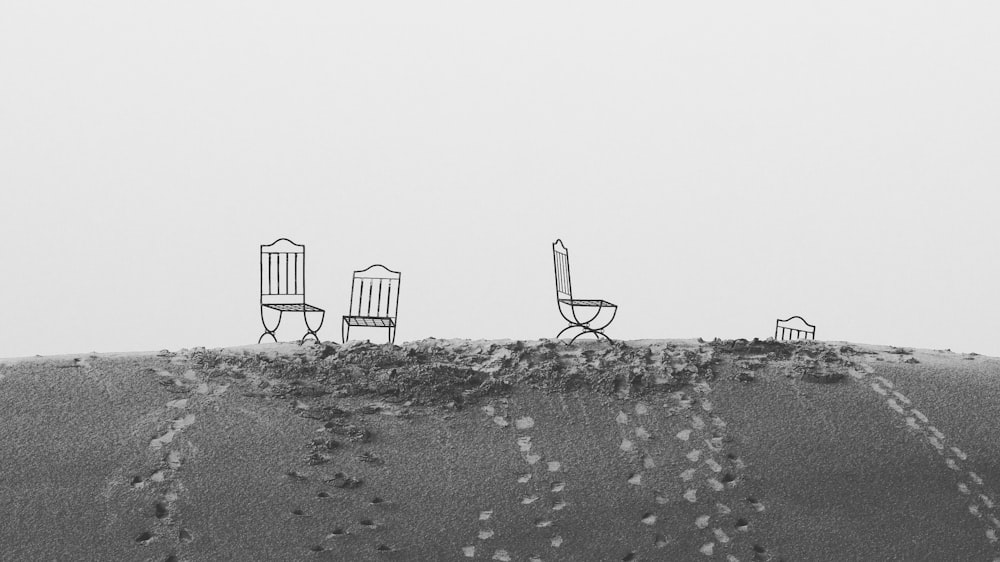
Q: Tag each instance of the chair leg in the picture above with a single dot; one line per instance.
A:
(345, 334)
(309, 329)
(392, 335)
(269, 331)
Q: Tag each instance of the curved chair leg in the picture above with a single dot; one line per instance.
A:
(267, 331)
(309, 330)
(345, 335)
(392, 335)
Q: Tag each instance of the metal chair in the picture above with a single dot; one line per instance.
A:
(283, 285)
(564, 299)
(804, 330)
(373, 287)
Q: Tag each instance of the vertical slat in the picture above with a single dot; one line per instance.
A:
(388, 299)
(361, 290)
(269, 275)
(286, 272)
(378, 309)
(370, 284)
(296, 274)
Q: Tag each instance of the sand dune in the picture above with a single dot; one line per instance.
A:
(503, 450)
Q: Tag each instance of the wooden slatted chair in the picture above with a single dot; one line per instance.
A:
(800, 330)
(374, 301)
(565, 300)
(283, 285)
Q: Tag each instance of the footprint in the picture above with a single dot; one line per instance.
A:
(182, 403)
(174, 460)
(975, 478)
(641, 409)
(688, 474)
(469, 551)
(878, 388)
(368, 524)
(716, 467)
(641, 433)
(485, 534)
(720, 535)
(185, 536)
(558, 486)
(542, 523)
(145, 538)
(727, 478)
(524, 478)
(755, 504)
(377, 501)
(691, 495)
(649, 518)
(532, 458)
(621, 418)
(635, 479)
(485, 515)
(659, 541)
(742, 525)
(707, 549)
(697, 422)
(920, 415)
(499, 420)
(694, 455)
(160, 510)
(701, 521)
(556, 541)
(524, 443)
(337, 532)
(716, 485)
(723, 509)
(501, 555)
(524, 423)
(647, 462)
(627, 445)
(554, 466)
(958, 453)
(559, 505)
(529, 499)
(684, 435)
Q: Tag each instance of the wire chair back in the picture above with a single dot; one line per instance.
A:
(375, 292)
(282, 272)
(794, 333)
(560, 259)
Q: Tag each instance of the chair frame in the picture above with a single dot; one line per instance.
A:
(811, 331)
(564, 299)
(279, 294)
(381, 318)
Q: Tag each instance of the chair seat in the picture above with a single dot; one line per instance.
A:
(370, 321)
(588, 302)
(294, 307)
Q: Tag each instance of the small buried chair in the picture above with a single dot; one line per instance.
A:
(372, 287)
(802, 331)
(283, 285)
(564, 299)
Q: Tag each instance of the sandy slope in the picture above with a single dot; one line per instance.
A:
(459, 450)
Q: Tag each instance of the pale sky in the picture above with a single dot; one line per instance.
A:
(711, 166)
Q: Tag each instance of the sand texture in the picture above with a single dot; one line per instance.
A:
(503, 450)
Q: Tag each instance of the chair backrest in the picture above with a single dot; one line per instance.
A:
(375, 292)
(282, 272)
(560, 259)
(801, 330)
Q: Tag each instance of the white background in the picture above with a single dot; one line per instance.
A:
(711, 166)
